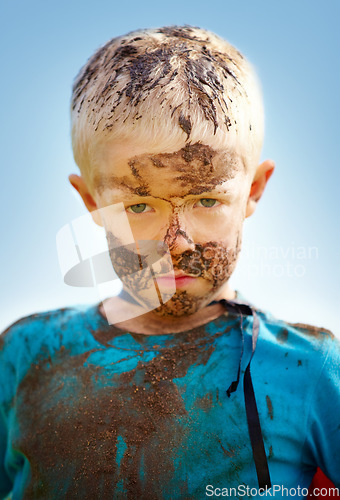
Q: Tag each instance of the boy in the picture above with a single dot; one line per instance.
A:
(142, 396)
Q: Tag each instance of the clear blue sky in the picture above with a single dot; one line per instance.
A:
(290, 263)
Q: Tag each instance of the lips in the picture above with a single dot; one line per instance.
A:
(176, 275)
(184, 280)
(178, 278)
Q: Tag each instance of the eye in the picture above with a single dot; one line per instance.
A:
(139, 208)
(208, 202)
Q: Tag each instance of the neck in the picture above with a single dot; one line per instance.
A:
(150, 323)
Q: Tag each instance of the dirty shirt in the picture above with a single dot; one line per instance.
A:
(88, 410)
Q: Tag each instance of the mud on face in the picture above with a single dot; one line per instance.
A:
(212, 261)
(193, 170)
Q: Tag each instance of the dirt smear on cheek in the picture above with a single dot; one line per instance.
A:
(100, 429)
(196, 168)
(127, 261)
(211, 261)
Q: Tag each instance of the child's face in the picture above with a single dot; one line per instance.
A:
(194, 200)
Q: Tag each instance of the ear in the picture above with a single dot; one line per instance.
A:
(261, 177)
(79, 185)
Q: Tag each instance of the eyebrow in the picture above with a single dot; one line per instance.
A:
(141, 192)
(102, 182)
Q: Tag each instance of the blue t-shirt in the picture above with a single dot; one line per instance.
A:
(90, 411)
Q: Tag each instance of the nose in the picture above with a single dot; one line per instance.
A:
(177, 237)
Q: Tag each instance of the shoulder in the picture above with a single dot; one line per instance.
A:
(40, 318)
(283, 333)
(302, 359)
(311, 331)
(299, 336)
(34, 319)
(43, 327)
(282, 329)
(41, 336)
(305, 341)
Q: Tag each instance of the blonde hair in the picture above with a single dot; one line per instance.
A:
(165, 88)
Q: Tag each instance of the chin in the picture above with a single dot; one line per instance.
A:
(181, 304)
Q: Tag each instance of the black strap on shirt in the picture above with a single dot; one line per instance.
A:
(253, 420)
(254, 427)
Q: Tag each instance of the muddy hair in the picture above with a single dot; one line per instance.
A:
(166, 88)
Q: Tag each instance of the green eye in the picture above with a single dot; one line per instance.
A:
(137, 209)
(208, 202)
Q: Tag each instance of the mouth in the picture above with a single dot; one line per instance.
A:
(178, 278)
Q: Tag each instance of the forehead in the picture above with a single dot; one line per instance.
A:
(193, 169)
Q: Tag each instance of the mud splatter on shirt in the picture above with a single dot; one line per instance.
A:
(91, 411)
